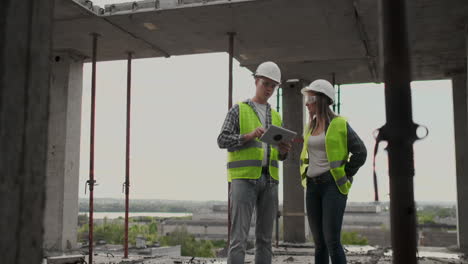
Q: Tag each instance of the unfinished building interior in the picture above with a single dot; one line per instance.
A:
(44, 45)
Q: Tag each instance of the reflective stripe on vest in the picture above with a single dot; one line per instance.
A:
(342, 181)
(245, 162)
(249, 163)
(335, 164)
(336, 145)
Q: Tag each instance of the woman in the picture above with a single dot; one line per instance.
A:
(327, 169)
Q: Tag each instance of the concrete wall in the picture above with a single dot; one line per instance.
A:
(25, 46)
(63, 159)
(380, 219)
(375, 236)
(427, 237)
(210, 216)
(166, 251)
(437, 238)
(377, 232)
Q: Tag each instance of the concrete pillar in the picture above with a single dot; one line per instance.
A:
(293, 192)
(63, 159)
(25, 41)
(460, 114)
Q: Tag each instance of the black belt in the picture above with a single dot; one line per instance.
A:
(322, 178)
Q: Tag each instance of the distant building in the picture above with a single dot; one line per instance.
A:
(371, 221)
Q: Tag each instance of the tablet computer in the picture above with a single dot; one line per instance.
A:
(275, 134)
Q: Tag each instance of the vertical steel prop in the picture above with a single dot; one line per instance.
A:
(399, 131)
(339, 100)
(127, 152)
(337, 104)
(333, 83)
(278, 95)
(231, 55)
(91, 182)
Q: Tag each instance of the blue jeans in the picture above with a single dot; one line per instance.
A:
(247, 195)
(325, 208)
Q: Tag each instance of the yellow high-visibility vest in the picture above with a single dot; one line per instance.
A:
(245, 162)
(336, 146)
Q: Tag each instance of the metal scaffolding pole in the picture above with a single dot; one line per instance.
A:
(399, 131)
(231, 55)
(91, 182)
(278, 214)
(339, 100)
(337, 104)
(278, 99)
(127, 152)
(333, 83)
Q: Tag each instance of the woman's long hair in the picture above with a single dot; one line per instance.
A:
(323, 113)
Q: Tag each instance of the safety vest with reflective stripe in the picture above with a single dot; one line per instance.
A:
(336, 146)
(245, 162)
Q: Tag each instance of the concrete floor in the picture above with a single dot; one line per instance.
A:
(355, 255)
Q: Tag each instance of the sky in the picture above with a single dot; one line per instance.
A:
(179, 105)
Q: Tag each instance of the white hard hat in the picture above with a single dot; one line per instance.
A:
(321, 86)
(270, 70)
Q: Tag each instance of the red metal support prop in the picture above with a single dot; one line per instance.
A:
(127, 152)
(91, 182)
(231, 55)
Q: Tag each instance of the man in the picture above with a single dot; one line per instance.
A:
(253, 166)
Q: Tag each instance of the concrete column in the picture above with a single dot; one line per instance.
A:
(293, 192)
(25, 41)
(460, 114)
(63, 159)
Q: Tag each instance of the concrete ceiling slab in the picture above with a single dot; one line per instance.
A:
(308, 38)
(69, 10)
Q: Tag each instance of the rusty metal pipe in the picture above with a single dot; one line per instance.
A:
(127, 152)
(91, 180)
(231, 55)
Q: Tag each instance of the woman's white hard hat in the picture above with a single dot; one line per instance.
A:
(321, 86)
(269, 70)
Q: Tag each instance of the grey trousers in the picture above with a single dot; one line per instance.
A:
(245, 196)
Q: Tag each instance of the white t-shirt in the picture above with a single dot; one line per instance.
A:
(318, 161)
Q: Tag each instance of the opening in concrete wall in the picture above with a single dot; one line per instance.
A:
(364, 106)
(178, 108)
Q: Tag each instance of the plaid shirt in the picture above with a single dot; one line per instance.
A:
(230, 137)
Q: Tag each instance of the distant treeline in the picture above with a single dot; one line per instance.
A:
(133, 208)
(112, 232)
(118, 205)
(429, 214)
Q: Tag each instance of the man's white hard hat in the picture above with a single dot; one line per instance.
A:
(269, 70)
(321, 86)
